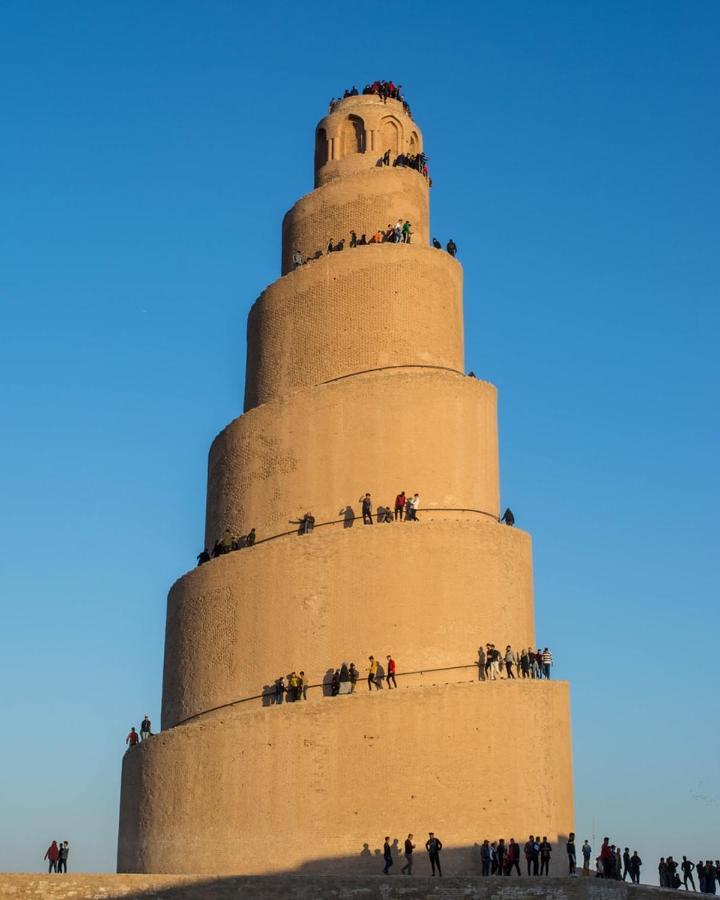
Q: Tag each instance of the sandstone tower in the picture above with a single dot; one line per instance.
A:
(355, 382)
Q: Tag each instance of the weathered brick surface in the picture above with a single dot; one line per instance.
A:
(321, 448)
(231, 629)
(371, 200)
(383, 305)
(307, 785)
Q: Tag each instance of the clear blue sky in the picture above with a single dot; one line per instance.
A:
(148, 154)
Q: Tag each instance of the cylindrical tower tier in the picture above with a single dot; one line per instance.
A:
(370, 201)
(420, 430)
(361, 309)
(237, 623)
(326, 779)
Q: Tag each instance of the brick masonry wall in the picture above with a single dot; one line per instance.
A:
(383, 305)
(324, 447)
(314, 786)
(241, 620)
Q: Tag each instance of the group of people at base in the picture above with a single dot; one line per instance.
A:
(708, 874)
(57, 856)
(433, 846)
(134, 738)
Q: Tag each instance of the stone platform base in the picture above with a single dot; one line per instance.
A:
(313, 887)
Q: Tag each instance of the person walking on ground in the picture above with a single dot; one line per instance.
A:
(545, 851)
(528, 850)
(587, 853)
(387, 855)
(354, 675)
(501, 853)
(451, 247)
(63, 853)
(51, 855)
(366, 509)
(626, 863)
(485, 857)
(145, 728)
(513, 857)
(400, 502)
(132, 738)
(390, 672)
(687, 870)
(572, 859)
(372, 674)
(302, 687)
(433, 845)
(507, 517)
(409, 847)
(635, 863)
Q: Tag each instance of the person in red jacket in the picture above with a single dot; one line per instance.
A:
(132, 738)
(391, 672)
(52, 856)
(400, 501)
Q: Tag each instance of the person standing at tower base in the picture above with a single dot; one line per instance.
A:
(433, 845)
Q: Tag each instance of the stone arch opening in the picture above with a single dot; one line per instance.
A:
(352, 136)
(321, 148)
(390, 135)
(414, 143)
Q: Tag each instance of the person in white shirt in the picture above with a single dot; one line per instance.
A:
(414, 504)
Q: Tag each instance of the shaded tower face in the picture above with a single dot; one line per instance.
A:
(354, 384)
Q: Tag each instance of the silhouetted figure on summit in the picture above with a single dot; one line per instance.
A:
(436, 244)
(451, 247)
(507, 517)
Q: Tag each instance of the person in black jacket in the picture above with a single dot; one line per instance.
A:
(433, 845)
(507, 517)
(409, 847)
(387, 856)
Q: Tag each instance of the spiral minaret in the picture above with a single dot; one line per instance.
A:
(355, 382)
